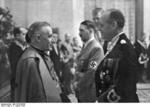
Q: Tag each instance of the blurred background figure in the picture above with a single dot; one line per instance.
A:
(75, 46)
(15, 51)
(141, 51)
(67, 64)
(4, 64)
(55, 55)
(148, 63)
(142, 58)
(97, 13)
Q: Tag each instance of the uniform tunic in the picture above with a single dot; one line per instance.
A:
(121, 62)
(87, 62)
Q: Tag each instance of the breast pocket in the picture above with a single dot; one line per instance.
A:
(80, 64)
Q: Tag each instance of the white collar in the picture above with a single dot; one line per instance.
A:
(55, 48)
(86, 43)
(142, 43)
(20, 45)
(112, 43)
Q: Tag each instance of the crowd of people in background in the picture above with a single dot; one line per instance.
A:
(44, 68)
(142, 49)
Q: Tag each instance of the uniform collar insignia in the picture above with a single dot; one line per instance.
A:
(123, 41)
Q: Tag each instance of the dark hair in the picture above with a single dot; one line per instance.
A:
(97, 10)
(116, 15)
(89, 24)
(35, 27)
(16, 31)
(28, 40)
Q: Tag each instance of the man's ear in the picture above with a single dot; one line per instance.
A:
(114, 24)
(38, 36)
(91, 30)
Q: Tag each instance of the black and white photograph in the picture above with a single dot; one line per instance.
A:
(74, 51)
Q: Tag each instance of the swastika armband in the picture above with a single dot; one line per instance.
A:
(92, 65)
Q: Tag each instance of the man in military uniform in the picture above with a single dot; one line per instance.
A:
(87, 62)
(36, 80)
(116, 76)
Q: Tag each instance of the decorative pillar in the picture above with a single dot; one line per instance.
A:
(2, 3)
(146, 16)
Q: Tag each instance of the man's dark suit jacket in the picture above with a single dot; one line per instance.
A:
(139, 49)
(55, 57)
(126, 72)
(148, 64)
(14, 53)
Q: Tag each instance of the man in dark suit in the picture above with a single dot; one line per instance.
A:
(67, 64)
(116, 76)
(97, 13)
(148, 63)
(87, 61)
(142, 58)
(55, 56)
(15, 51)
(36, 80)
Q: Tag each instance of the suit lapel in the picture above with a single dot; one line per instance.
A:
(116, 51)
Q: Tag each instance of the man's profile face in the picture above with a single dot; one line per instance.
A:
(46, 38)
(55, 38)
(84, 33)
(21, 35)
(96, 18)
